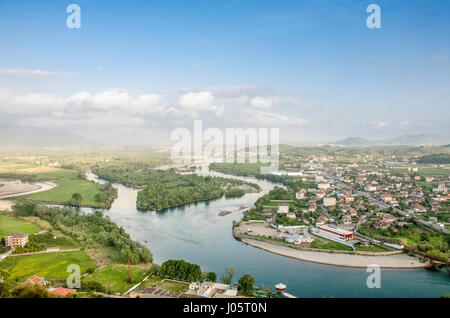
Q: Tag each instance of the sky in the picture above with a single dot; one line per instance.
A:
(136, 70)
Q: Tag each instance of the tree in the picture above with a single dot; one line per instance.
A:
(76, 199)
(211, 277)
(246, 283)
(229, 273)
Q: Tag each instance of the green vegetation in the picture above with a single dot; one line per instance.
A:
(323, 243)
(114, 278)
(228, 276)
(89, 230)
(40, 242)
(413, 237)
(284, 220)
(73, 190)
(167, 188)
(166, 284)
(181, 270)
(246, 284)
(52, 266)
(10, 224)
(442, 158)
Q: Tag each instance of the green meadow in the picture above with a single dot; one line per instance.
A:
(114, 278)
(68, 183)
(8, 225)
(52, 266)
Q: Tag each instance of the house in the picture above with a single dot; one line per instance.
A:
(301, 194)
(37, 280)
(329, 201)
(16, 239)
(349, 198)
(389, 218)
(353, 212)
(62, 291)
(387, 197)
(433, 219)
(204, 289)
(283, 208)
(321, 220)
(347, 219)
(429, 179)
(291, 215)
(382, 225)
(323, 186)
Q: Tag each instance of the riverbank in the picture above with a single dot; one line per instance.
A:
(399, 261)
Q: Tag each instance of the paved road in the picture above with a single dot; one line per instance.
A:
(383, 204)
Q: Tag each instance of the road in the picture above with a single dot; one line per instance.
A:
(383, 204)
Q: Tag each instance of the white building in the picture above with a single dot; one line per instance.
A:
(329, 201)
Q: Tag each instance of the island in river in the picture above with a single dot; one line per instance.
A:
(162, 189)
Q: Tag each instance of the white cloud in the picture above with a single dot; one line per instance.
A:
(261, 103)
(381, 124)
(196, 101)
(29, 72)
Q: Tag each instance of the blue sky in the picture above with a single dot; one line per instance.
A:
(311, 67)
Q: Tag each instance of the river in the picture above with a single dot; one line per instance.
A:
(196, 233)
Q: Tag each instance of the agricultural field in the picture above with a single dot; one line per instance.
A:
(166, 284)
(10, 224)
(52, 266)
(69, 183)
(114, 278)
(423, 171)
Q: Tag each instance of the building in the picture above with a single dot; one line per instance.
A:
(329, 201)
(347, 219)
(16, 239)
(387, 197)
(283, 208)
(349, 198)
(301, 194)
(336, 233)
(37, 280)
(323, 186)
(62, 291)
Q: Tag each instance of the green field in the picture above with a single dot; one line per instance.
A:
(52, 266)
(9, 224)
(323, 243)
(165, 284)
(423, 171)
(114, 277)
(68, 184)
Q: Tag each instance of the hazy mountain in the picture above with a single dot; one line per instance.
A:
(405, 140)
(354, 142)
(420, 139)
(25, 136)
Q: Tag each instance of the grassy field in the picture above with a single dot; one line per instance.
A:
(9, 224)
(68, 184)
(423, 171)
(51, 266)
(114, 277)
(371, 248)
(164, 284)
(323, 243)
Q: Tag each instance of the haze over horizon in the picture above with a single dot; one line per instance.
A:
(137, 70)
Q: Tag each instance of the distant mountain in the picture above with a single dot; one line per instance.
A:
(354, 142)
(25, 136)
(405, 140)
(420, 139)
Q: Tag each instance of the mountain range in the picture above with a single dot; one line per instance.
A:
(406, 140)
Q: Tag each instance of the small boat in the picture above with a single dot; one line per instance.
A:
(280, 287)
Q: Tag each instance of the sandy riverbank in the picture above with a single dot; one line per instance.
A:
(399, 261)
(6, 205)
(17, 188)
